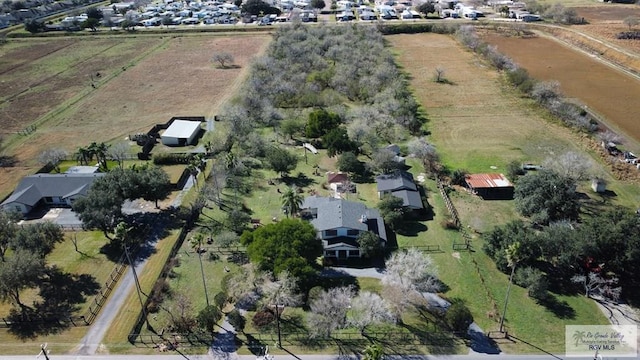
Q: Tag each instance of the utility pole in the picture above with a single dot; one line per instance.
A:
(204, 282)
(506, 300)
(43, 351)
(138, 289)
(278, 326)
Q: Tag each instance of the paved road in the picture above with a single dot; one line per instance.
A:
(90, 343)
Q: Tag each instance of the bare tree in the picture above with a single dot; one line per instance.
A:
(118, 152)
(411, 271)
(426, 152)
(369, 308)
(595, 284)
(546, 92)
(245, 286)
(609, 136)
(329, 311)
(631, 21)
(571, 164)
(439, 74)
(281, 292)
(224, 59)
(53, 157)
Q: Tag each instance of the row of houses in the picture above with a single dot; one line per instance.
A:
(37, 10)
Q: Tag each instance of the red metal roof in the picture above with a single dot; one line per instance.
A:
(336, 177)
(479, 181)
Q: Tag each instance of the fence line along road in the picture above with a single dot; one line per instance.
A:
(291, 356)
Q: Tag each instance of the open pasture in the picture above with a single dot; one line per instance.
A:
(476, 124)
(143, 81)
(480, 125)
(608, 91)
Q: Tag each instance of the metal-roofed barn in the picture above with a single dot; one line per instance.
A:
(181, 133)
(490, 186)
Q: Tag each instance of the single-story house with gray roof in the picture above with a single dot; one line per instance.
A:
(400, 184)
(57, 190)
(339, 222)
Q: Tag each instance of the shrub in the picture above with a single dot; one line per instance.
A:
(514, 170)
(236, 320)
(449, 224)
(171, 158)
(208, 317)
(458, 316)
(538, 288)
(220, 299)
(532, 279)
(459, 177)
(314, 293)
(263, 318)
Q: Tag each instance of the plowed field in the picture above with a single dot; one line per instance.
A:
(80, 91)
(602, 88)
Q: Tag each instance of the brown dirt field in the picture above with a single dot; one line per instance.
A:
(609, 92)
(176, 78)
(42, 80)
(605, 21)
(607, 12)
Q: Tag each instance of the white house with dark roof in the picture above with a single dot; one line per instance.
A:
(400, 184)
(339, 222)
(58, 190)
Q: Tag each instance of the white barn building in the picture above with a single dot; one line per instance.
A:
(181, 133)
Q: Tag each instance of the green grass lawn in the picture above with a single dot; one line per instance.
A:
(87, 260)
(483, 285)
(115, 338)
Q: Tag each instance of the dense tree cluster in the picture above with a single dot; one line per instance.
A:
(289, 244)
(22, 267)
(324, 67)
(546, 196)
(607, 244)
(101, 208)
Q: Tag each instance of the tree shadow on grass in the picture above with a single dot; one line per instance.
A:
(301, 180)
(412, 228)
(438, 342)
(61, 294)
(560, 309)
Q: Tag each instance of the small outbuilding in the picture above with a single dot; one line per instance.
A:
(490, 186)
(181, 133)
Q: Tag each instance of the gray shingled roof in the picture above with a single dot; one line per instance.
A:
(35, 187)
(399, 181)
(336, 213)
(409, 198)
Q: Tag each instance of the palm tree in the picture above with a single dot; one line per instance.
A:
(100, 151)
(83, 155)
(373, 352)
(291, 200)
(513, 257)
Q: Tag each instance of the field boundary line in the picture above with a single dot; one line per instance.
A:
(543, 31)
(82, 94)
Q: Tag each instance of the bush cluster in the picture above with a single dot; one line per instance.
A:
(629, 35)
(171, 158)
